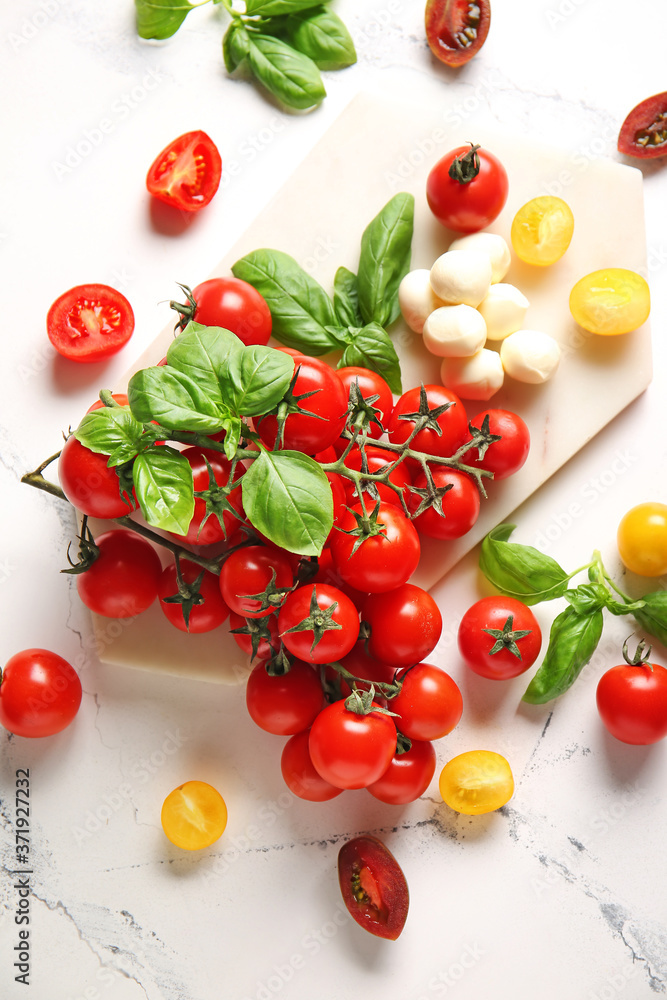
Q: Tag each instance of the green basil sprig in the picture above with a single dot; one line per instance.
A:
(385, 259)
(321, 35)
(573, 639)
(520, 570)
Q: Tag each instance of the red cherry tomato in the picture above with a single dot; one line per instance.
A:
(350, 750)
(632, 702)
(89, 484)
(123, 580)
(208, 530)
(460, 504)
(373, 886)
(408, 776)
(203, 617)
(644, 132)
(364, 666)
(187, 173)
(370, 384)
(299, 774)
(287, 704)
(456, 29)
(327, 573)
(248, 571)
(377, 459)
(405, 625)
(452, 422)
(429, 705)
(40, 693)
(382, 562)
(505, 617)
(265, 649)
(322, 415)
(332, 632)
(234, 305)
(90, 322)
(505, 457)
(467, 207)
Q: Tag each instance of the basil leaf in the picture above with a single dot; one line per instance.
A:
(161, 18)
(287, 497)
(203, 353)
(653, 616)
(587, 597)
(300, 308)
(572, 641)
(385, 259)
(519, 570)
(174, 400)
(320, 34)
(257, 379)
(289, 75)
(273, 8)
(164, 487)
(372, 348)
(235, 46)
(346, 298)
(112, 431)
(233, 430)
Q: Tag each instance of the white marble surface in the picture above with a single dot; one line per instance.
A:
(560, 895)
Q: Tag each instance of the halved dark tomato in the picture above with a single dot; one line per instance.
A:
(456, 29)
(187, 173)
(373, 886)
(89, 322)
(644, 131)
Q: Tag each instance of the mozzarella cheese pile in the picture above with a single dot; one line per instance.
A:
(462, 303)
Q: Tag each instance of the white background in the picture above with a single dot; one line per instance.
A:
(560, 895)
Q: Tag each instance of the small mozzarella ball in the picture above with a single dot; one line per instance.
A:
(504, 310)
(530, 356)
(417, 299)
(478, 377)
(454, 332)
(496, 248)
(461, 276)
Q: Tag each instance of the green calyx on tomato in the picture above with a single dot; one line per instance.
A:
(465, 168)
(189, 595)
(506, 637)
(362, 703)
(640, 655)
(367, 526)
(88, 551)
(318, 621)
(269, 599)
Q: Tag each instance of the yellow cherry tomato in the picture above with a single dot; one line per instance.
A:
(194, 815)
(476, 782)
(642, 539)
(610, 301)
(542, 230)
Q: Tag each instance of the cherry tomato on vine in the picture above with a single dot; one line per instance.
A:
(40, 693)
(234, 305)
(642, 539)
(644, 131)
(194, 815)
(265, 649)
(378, 459)
(456, 29)
(285, 704)
(370, 384)
(373, 887)
(499, 637)
(322, 416)
(408, 776)
(505, 457)
(123, 580)
(204, 530)
(350, 750)
(203, 617)
(382, 561)
(330, 632)
(405, 625)
(89, 484)
(299, 773)
(327, 573)
(476, 782)
(429, 704)
(460, 504)
(365, 667)
(632, 702)
(467, 189)
(452, 422)
(248, 571)
(89, 323)
(186, 174)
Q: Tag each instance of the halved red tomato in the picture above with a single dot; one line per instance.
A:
(374, 887)
(456, 29)
(89, 322)
(644, 131)
(187, 172)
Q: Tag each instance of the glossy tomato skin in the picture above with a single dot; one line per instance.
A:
(453, 423)
(211, 531)
(299, 773)
(364, 666)
(203, 617)
(447, 22)
(248, 571)
(370, 384)
(408, 776)
(467, 208)
(460, 505)
(377, 459)
(89, 484)
(644, 132)
(322, 416)
(350, 750)
(287, 704)
(40, 693)
(405, 624)
(429, 705)
(476, 782)
(642, 539)
(373, 886)
(382, 562)
(475, 644)
(123, 580)
(505, 457)
(186, 174)
(89, 323)
(632, 702)
(334, 643)
(327, 573)
(234, 305)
